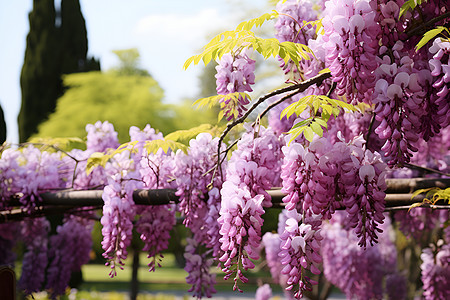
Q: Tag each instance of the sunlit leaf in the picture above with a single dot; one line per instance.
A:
(428, 36)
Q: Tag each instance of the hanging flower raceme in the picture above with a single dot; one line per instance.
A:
(69, 250)
(25, 174)
(289, 27)
(194, 180)
(436, 271)
(300, 250)
(351, 47)
(399, 95)
(235, 73)
(156, 221)
(34, 234)
(156, 171)
(197, 266)
(119, 209)
(101, 136)
(440, 70)
(250, 172)
(356, 271)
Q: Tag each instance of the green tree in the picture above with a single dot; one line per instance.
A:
(129, 62)
(40, 78)
(2, 127)
(52, 49)
(125, 96)
(74, 40)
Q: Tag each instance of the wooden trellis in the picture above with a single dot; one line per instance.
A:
(398, 196)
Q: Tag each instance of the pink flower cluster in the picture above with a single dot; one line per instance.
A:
(235, 73)
(399, 95)
(250, 172)
(69, 250)
(436, 271)
(356, 271)
(300, 250)
(156, 171)
(101, 136)
(351, 46)
(119, 209)
(197, 266)
(34, 234)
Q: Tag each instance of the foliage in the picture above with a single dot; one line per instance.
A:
(52, 50)
(432, 195)
(242, 37)
(124, 100)
(313, 125)
(2, 127)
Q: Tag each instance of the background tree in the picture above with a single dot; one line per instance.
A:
(124, 96)
(2, 127)
(54, 47)
(40, 78)
(74, 40)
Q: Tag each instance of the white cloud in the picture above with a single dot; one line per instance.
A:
(191, 29)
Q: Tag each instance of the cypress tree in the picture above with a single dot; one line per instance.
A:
(2, 127)
(40, 78)
(51, 51)
(74, 40)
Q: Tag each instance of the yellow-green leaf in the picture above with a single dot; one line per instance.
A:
(428, 36)
(415, 205)
(308, 133)
(96, 159)
(184, 136)
(317, 129)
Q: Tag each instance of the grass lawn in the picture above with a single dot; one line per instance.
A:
(167, 278)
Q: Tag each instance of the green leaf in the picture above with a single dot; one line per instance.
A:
(316, 128)
(410, 4)
(184, 136)
(208, 101)
(415, 205)
(295, 133)
(321, 122)
(428, 36)
(326, 70)
(165, 145)
(308, 133)
(96, 159)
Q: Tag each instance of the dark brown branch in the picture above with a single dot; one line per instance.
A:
(279, 101)
(424, 169)
(423, 26)
(300, 87)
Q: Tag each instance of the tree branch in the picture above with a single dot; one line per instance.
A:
(422, 27)
(300, 87)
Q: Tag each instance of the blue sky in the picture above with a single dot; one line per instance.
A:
(166, 33)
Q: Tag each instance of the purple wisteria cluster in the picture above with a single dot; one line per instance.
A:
(436, 271)
(250, 173)
(440, 70)
(27, 173)
(101, 136)
(399, 95)
(198, 266)
(198, 188)
(70, 247)
(300, 250)
(356, 271)
(318, 180)
(235, 73)
(351, 47)
(289, 27)
(34, 233)
(156, 171)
